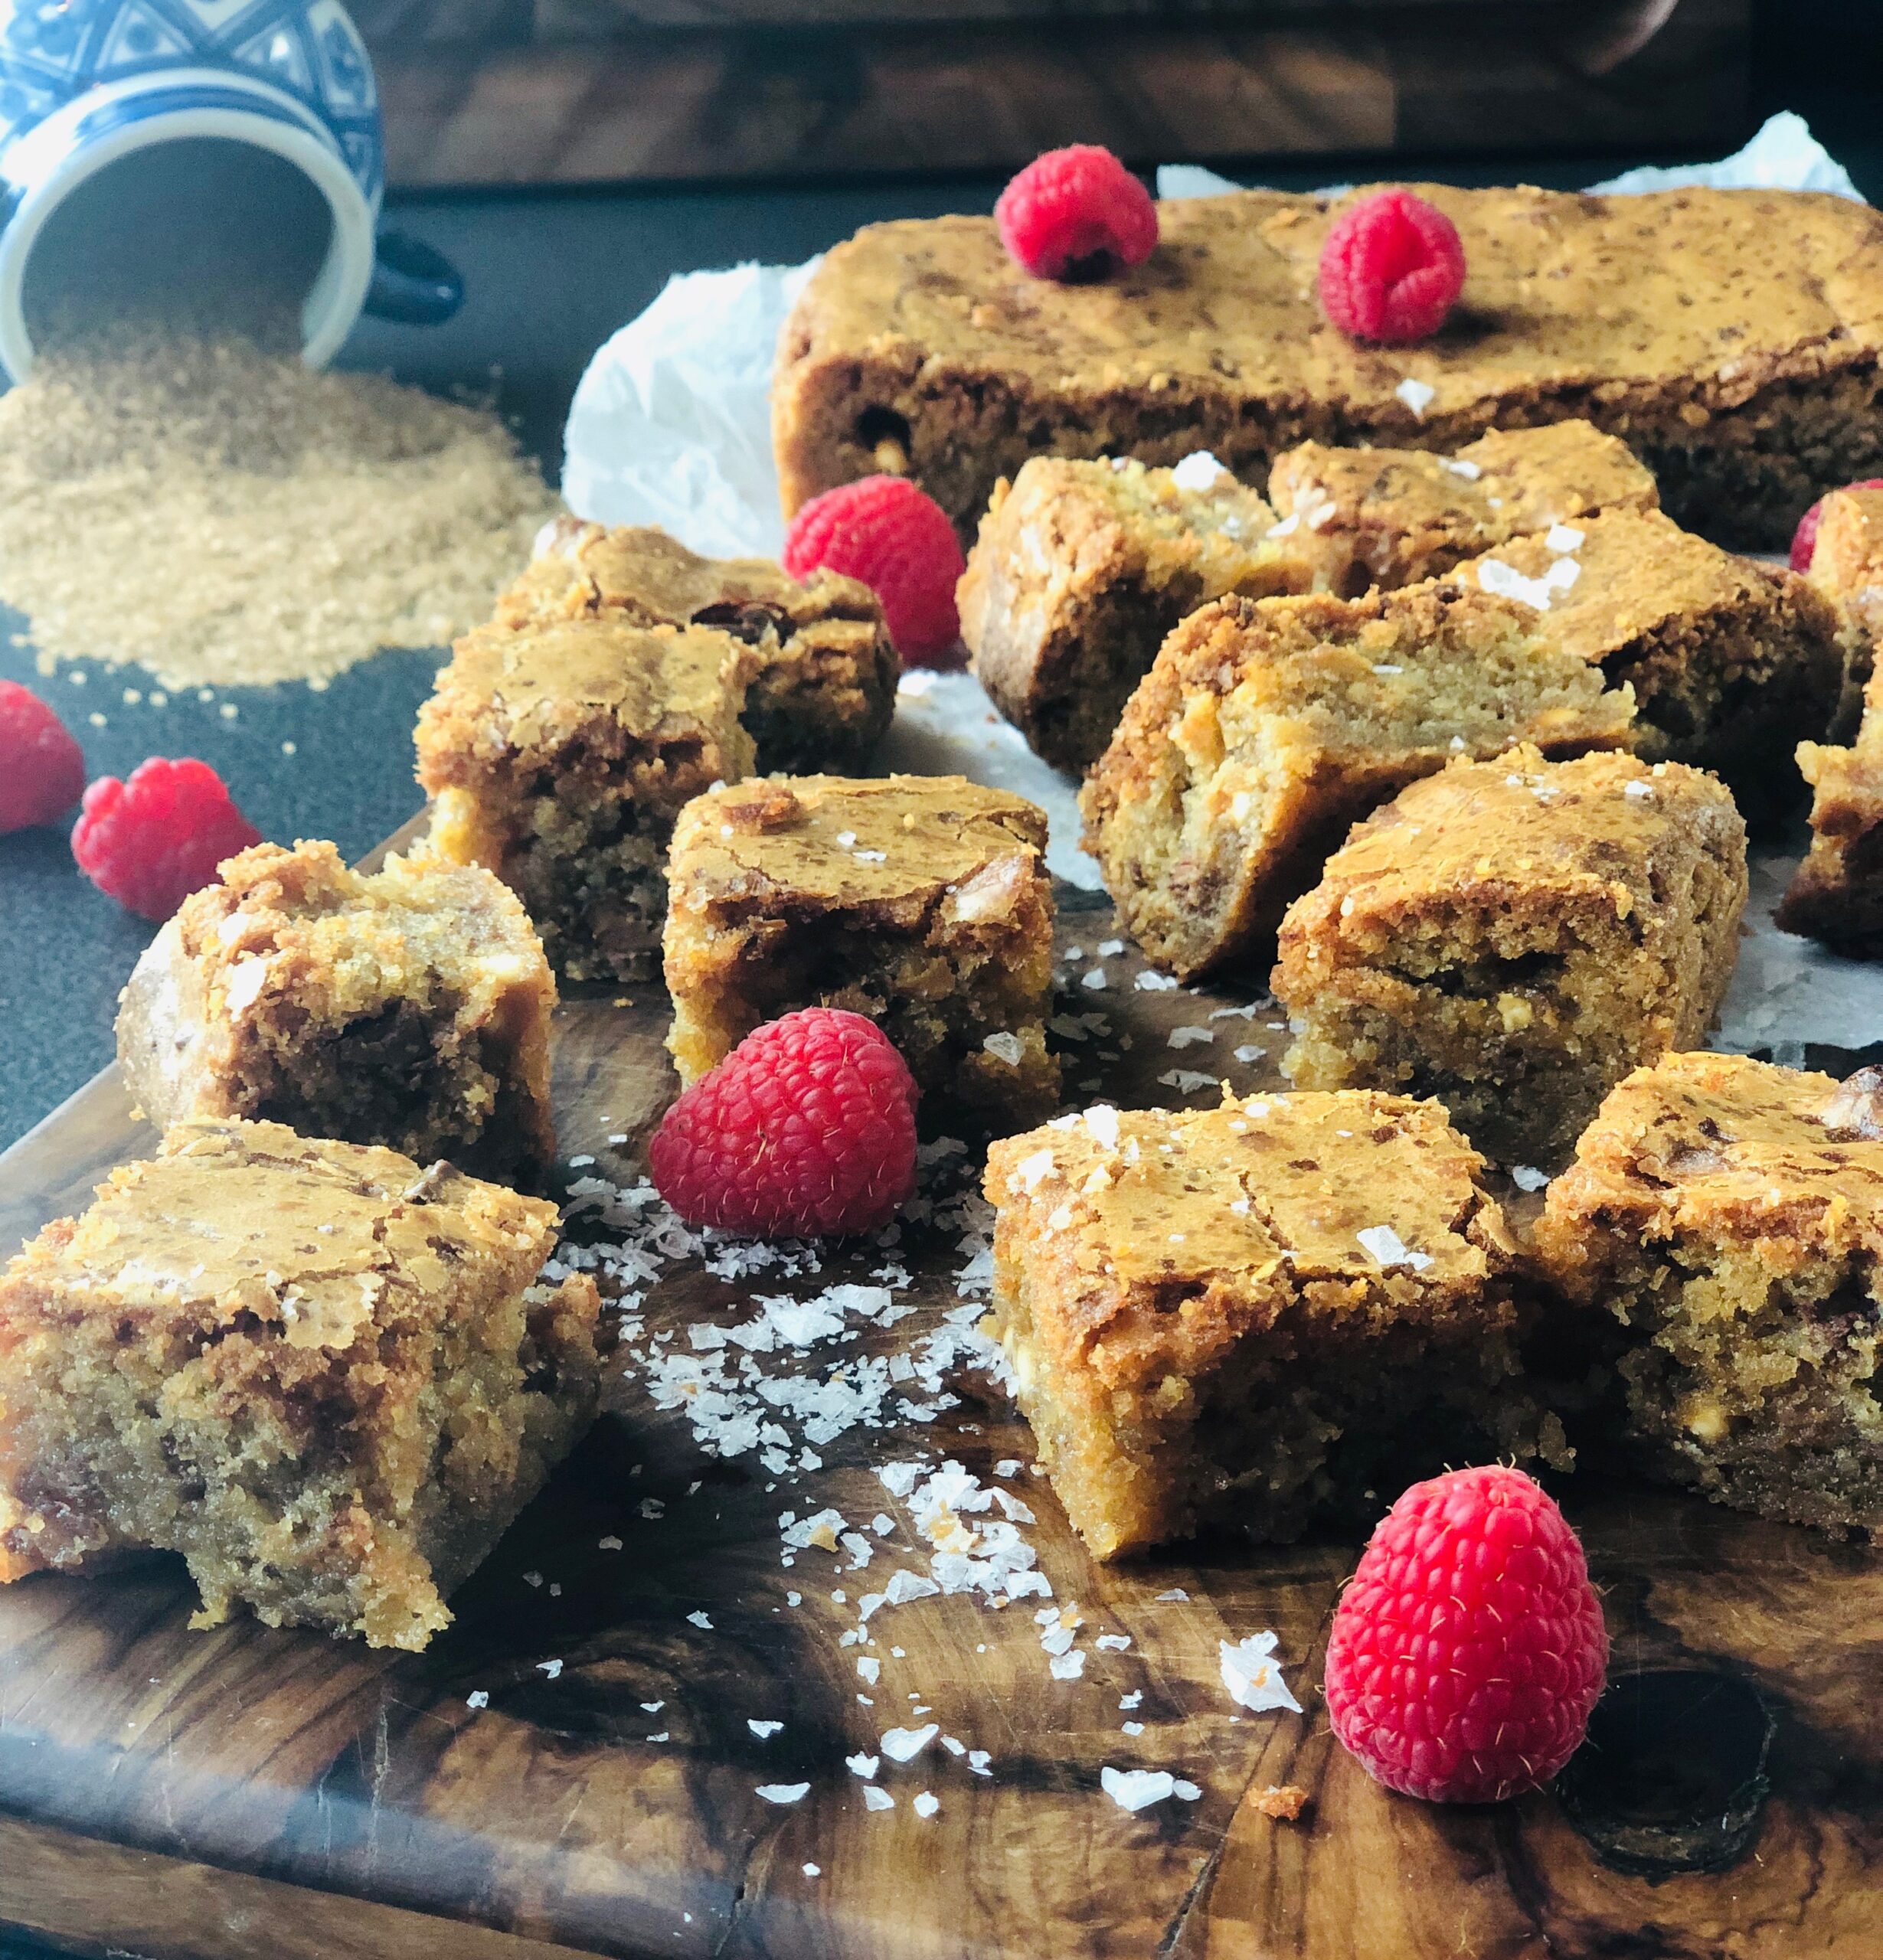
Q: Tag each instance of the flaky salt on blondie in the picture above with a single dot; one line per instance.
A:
(824, 674)
(1249, 1316)
(408, 1007)
(1390, 517)
(1513, 936)
(1081, 570)
(1266, 727)
(558, 755)
(1725, 1213)
(327, 1378)
(922, 902)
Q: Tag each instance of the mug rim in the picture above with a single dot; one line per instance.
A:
(269, 120)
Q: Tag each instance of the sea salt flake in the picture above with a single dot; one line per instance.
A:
(1150, 981)
(1004, 1048)
(1284, 527)
(1175, 1592)
(1185, 1792)
(1640, 792)
(813, 1871)
(1131, 1728)
(764, 1730)
(1527, 1177)
(610, 1543)
(1386, 1245)
(1094, 978)
(1132, 1700)
(701, 1620)
(552, 1669)
(1114, 1643)
(1190, 1037)
(478, 1698)
(904, 1745)
(979, 1761)
(876, 1799)
(1416, 395)
(1134, 1789)
(1110, 949)
(1562, 537)
(784, 1793)
(653, 1708)
(1251, 1674)
(1186, 1081)
(1068, 1667)
(926, 1805)
(862, 1765)
(1461, 466)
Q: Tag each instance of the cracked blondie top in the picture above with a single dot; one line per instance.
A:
(326, 1376)
(408, 1007)
(1728, 1216)
(1380, 516)
(1243, 1316)
(922, 902)
(824, 684)
(1730, 337)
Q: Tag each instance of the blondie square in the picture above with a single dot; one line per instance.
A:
(328, 1378)
(824, 682)
(558, 755)
(1730, 338)
(1082, 568)
(1513, 936)
(922, 902)
(1248, 1315)
(408, 1007)
(1392, 516)
(1731, 663)
(1267, 727)
(1724, 1212)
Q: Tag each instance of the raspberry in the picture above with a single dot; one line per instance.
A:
(1804, 540)
(806, 1130)
(1468, 1648)
(150, 842)
(897, 539)
(42, 768)
(1391, 268)
(1076, 212)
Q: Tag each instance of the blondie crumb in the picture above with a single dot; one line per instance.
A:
(1283, 1802)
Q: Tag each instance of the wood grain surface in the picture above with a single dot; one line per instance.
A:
(201, 1795)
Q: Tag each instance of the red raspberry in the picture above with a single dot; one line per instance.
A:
(1391, 269)
(897, 539)
(1076, 212)
(806, 1130)
(1804, 540)
(42, 768)
(1468, 1648)
(150, 842)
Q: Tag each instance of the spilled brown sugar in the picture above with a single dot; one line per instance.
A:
(223, 515)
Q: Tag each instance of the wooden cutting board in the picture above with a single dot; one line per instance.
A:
(241, 1792)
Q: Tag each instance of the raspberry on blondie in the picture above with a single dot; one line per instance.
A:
(1267, 727)
(1513, 936)
(1724, 1213)
(327, 1378)
(922, 902)
(1250, 1316)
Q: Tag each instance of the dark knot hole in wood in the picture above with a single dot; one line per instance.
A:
(1672, 1777)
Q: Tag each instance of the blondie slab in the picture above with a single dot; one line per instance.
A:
(1250, 1316)
(1513, 937)
(408, 1007)
(1377, 517)
(1082, 568)
(1728, 1215)
(329, 1379)
(1267, 727)
(558, 755)
(823, 686)
(1730, 338)
(1731, 663)
(920, 901)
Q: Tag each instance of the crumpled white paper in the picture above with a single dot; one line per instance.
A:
(670, 425)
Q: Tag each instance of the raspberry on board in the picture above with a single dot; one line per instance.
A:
(150, 840)
(1392, 267)
(806, 1130)
(897, 539)
(1468, 1649)
(1804, 540)
(42, 767)
(1077, 213)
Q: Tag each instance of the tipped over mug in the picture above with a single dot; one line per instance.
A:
(189, 140)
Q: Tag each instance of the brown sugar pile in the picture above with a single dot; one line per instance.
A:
(224, 516)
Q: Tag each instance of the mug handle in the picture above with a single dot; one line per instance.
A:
(413, 282)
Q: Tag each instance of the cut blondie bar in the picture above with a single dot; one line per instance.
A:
(824, 682)
(558, 755)
(1082, 568)
(408, 1007)
(1513, 937)
(327, 1377)
(1392, 516)
(1267, 727)
(1725, 1213)
(920, 901)
(1250, 1316)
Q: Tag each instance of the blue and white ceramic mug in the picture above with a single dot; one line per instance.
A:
(258, 115)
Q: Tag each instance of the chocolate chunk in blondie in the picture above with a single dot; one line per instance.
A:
(920, 901)
(326, 1376)
(1725, 1213)
(1513, 936)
